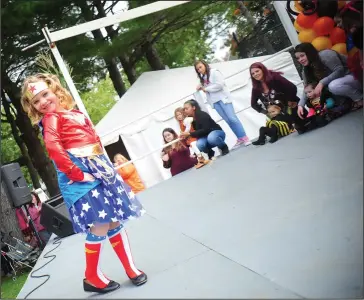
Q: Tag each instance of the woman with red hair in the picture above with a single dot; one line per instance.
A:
(269, 86)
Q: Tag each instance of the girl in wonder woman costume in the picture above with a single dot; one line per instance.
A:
(98, 201)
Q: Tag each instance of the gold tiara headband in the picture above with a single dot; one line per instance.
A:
(35, 88)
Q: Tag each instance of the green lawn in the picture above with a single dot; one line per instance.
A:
(9, 288)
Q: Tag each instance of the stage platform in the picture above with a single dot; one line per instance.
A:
(283, 220)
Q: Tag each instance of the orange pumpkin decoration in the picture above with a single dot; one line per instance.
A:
(306, 21)
(323, 26)
(337, 35)
(266, 11)
(237, 12)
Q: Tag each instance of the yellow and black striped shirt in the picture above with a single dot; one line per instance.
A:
(282, 123)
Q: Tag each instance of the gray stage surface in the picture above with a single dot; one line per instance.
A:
(283, 220)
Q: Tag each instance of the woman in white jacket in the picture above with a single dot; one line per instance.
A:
(218, 96)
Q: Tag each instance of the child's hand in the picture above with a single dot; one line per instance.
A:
(199, 87)
(292, 104)
(300, 112)
(87, 177)
(165, 157)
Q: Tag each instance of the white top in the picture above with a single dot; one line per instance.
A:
(187, 122)
(216, 89)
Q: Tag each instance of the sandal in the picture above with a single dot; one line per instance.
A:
(357, 105)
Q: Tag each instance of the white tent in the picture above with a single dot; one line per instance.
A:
(140, 116)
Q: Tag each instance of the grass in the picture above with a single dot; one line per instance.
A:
(9, 288)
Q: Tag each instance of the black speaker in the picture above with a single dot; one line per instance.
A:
(16, 187)
(56, 218)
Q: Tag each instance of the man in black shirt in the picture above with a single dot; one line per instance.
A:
(209, 134)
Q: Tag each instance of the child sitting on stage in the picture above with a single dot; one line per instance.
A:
(278, 125)
(316, 105)
(98, 201)
(317, 115)
(185, 123)
(129, 174)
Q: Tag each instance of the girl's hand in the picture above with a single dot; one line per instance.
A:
(199, 87)
(165, 157)
(300, 111)
(87, 177)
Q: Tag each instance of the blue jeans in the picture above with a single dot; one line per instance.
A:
(215, 138)
(227, 113)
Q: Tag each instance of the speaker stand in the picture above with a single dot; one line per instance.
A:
(32, 226)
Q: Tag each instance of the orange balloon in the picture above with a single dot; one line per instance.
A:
(322, 43)
(340, 48)
(323, 26)
(298, 27)
(306, 21)
(337, 35)
(307, 36)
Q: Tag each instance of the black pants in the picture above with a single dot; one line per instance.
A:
(310, 123)
(265, 131)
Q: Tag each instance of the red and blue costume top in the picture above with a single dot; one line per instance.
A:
(66, 134)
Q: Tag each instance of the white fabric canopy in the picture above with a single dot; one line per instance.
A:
(169, 89)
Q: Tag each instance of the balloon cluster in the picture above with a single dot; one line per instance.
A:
(321, 31)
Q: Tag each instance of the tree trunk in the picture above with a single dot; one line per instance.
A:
(129, 68)
(111, 64)
(152, 57)
(20, 143)
(9, 222)
(245, 12)
(115, 76)
(30, 136)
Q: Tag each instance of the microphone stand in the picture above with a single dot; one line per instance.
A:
(32, 226)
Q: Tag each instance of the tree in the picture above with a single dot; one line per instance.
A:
(9, 222)
(9, 112)
(20, 29)
(100, 99)
(111, 63)
(141, 37)
(263, 34)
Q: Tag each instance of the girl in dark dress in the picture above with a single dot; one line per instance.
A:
(177, 156)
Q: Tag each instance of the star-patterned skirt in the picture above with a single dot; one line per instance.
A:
(110, 201)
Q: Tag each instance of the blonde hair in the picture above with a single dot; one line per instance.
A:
(54, 85)
(274, 106)
(123, 157)
(181, 110)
